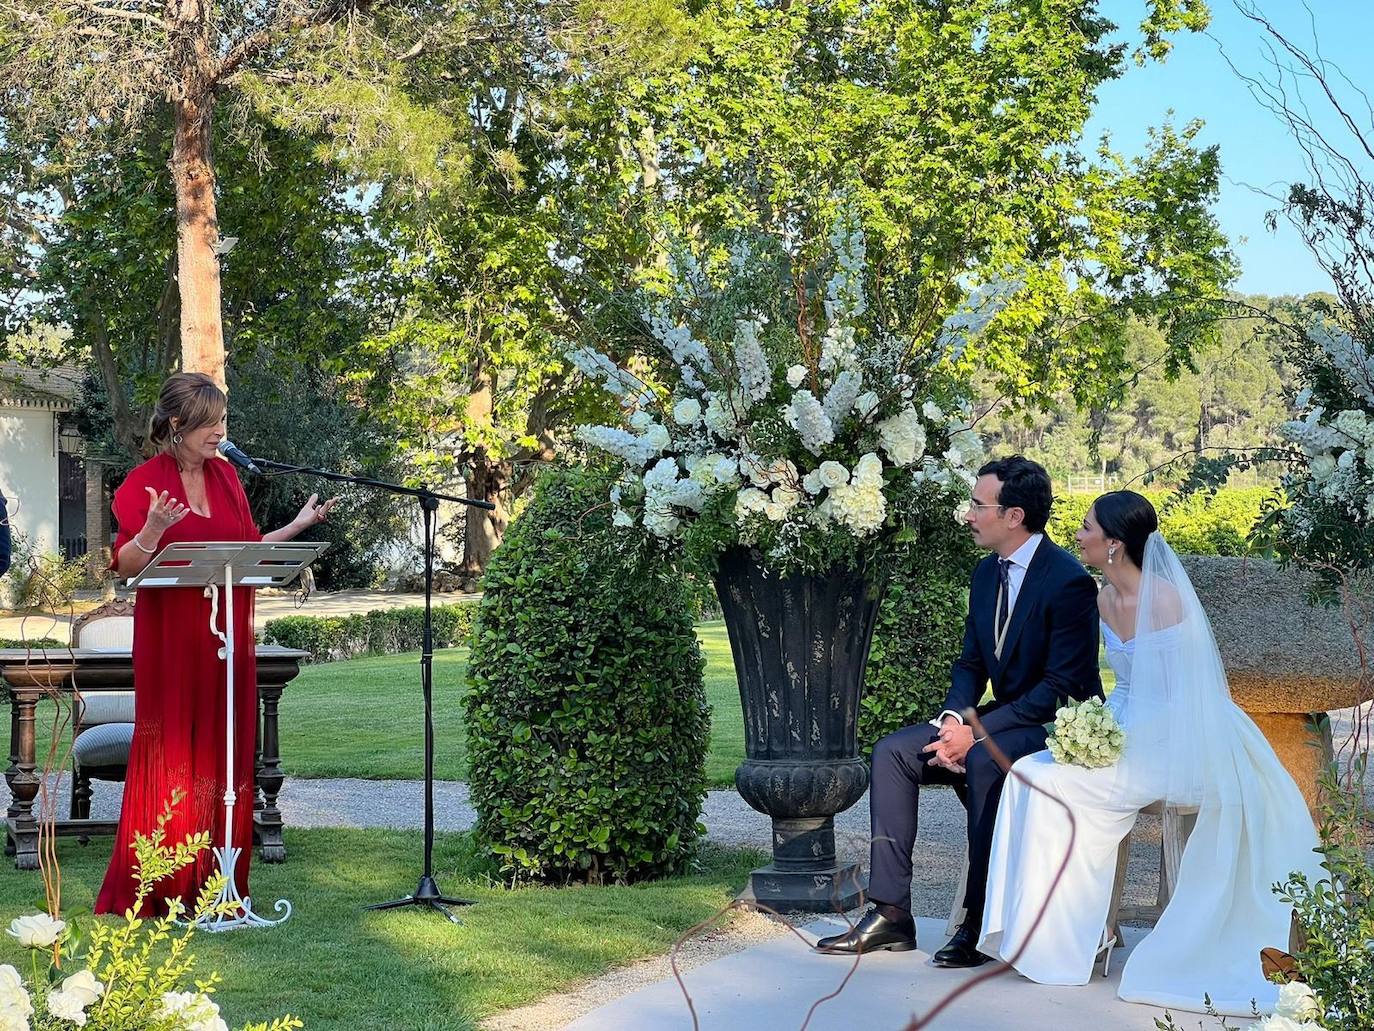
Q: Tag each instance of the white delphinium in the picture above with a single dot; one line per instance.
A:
(755, 374)
(1086, 734)
(844, 292)
(860, 504)
(840, 398)
(972, 316)
(903, 437)
(618, 381)
(839, 348)
(1347, 354)
(807, 416)
(687, 412)
(796, 376)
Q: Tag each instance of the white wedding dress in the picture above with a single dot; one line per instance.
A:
(1189, 746)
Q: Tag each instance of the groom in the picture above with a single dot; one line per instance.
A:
(1032, 631)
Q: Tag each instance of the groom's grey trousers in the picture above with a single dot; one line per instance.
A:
(899, 769)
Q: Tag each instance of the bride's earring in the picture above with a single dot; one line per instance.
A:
(1111, 554)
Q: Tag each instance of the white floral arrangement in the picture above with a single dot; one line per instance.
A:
(1086, 734)
(123, 985)
(1298, 1009)
(801, 436)
(1339, 445)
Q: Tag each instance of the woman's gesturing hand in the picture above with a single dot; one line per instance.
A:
(162, 513)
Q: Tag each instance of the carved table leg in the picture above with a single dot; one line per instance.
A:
(21, 828)
(267, 817)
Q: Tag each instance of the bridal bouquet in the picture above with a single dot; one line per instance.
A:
(813, 435)
(1086, 734)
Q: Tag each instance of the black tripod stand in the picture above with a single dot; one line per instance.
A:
(427, 894)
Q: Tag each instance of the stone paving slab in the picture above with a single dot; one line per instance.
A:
(770, 987)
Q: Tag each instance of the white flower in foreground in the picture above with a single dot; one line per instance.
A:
(796, 376)
(640, 420)
(84, 986)
(811, 482)
(725, 471)
(1298, 1001)
(840, 398)
(194, 1010)
(833, 474)
(687, 412)
(656, 438)
(37, 931)
(68, 1007)
(749, 501)
(932, 412)
(14, 1000)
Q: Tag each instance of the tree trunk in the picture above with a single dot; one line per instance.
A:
(193, 174)
(486, 481)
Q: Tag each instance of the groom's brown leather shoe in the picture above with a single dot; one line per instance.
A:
(873, 933)
(961, 950)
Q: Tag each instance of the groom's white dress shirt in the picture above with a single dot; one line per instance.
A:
(1020, 561)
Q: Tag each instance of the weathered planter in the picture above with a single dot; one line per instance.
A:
(800, 645)
(1288, 663)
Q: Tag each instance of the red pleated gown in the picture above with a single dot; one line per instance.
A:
(179, 704)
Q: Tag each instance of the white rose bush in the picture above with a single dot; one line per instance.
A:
(1086, 734)
(773, 410)
(130, 976)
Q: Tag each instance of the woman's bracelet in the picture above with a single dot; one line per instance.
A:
(139, 545)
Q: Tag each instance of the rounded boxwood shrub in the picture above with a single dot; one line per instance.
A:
(586, 717)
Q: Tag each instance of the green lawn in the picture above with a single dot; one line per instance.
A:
(341, 968)
(362, 717)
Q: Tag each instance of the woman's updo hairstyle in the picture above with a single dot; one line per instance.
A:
(1129, 518)
(193, 399)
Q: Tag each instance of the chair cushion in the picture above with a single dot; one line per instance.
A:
(110, 633)
(106, 707)
(105, 745)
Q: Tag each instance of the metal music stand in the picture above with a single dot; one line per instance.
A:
(218, 567)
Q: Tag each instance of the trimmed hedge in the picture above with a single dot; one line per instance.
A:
(1199, 524)
(34, 643)
(920, 630)
(587, 719)
(379, 632)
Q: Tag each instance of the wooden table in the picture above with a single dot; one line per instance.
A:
(30, 676)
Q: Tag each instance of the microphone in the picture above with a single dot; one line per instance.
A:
(229, 450)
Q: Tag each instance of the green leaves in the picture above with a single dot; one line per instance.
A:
(587, 722)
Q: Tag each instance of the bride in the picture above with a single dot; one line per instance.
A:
(1187, 745)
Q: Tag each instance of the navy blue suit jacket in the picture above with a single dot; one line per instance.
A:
(1050, 653)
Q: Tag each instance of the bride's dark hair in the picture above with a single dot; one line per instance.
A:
(1129, 518)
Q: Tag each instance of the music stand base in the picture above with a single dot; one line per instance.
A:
(427, 894)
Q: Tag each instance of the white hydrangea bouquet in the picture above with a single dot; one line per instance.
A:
(133, 974)
(1086, 734)
(813, 435)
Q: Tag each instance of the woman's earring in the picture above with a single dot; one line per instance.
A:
(1111, 554)
(176, 439)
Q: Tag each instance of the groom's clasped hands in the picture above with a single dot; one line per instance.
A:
(951, 746)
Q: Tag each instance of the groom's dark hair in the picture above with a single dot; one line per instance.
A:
(1025, 485)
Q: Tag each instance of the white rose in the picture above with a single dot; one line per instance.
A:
(796, 376)
(775, 511)
(1298, 1001)
(656, 437)
(833, 474)
(84, 986)
(687, 411)
(640, 420)
(65, 1006)
(37, 931)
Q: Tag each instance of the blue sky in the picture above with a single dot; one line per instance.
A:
(1256, 151)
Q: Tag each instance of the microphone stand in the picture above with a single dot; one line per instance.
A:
(427, 894)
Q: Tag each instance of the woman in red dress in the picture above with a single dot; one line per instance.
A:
(186, 493)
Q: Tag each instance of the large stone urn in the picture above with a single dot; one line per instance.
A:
(800, 645)
(1288, 662)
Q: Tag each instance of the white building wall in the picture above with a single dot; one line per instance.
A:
(28, 472)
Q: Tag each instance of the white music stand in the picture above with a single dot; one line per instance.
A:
(219, 567)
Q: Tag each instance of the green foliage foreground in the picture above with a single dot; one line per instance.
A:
(342, 968)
